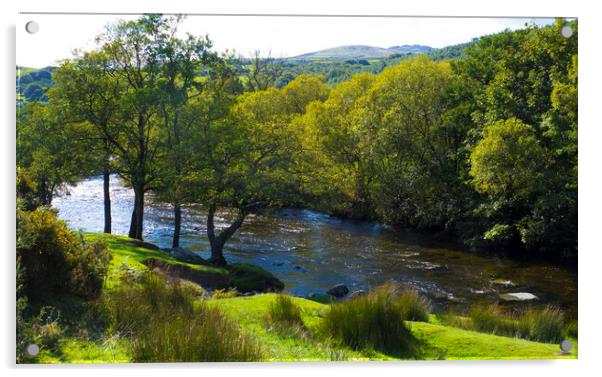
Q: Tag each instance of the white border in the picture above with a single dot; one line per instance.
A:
(589, 181)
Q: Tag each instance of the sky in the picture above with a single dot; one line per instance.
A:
(60, 35)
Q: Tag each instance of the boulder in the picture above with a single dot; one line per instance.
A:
(518, 296)
(339, 290)
(185, 255)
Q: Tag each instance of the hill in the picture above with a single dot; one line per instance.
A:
(363, 52)
(32, 83)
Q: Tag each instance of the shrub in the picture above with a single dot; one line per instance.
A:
(372, 321)
(542, 325)
(167, 323)
(283, 311)
(55, 260)
(414, 306)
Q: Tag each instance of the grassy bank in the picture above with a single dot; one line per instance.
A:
(297, 340)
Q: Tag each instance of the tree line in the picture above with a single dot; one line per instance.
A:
(484, 146)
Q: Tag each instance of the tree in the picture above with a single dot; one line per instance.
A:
(508, 166)
(508, 161)
(264, 71)
(246, 161)
(133, 50)
(50, 149)
(530, 76)
(181, 62)
(413, 145)
(90, 89)
(337, 174)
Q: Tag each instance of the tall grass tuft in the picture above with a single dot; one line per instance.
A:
(284, 311)
(572, 329)
(542, 325)
(167, 323)
(414, 306)
(372, 321)
(491, 319)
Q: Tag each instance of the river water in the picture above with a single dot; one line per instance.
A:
(311, 251)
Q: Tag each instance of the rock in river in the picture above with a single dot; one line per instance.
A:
(518, 296)
(505, 283)
(338, 290)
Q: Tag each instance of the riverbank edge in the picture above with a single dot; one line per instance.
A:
(132, 256)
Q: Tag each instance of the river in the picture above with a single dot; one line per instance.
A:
(311, 251)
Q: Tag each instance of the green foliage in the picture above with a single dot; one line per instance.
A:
(166, 323)
(54, 260)
(43, 132)
(508, 161)
(374, 320)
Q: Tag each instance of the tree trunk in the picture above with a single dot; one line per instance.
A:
(217, 241)
(132, 232)
(136, 224)
(177, 210)
(107, 201)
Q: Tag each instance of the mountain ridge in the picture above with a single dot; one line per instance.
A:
(364, 52)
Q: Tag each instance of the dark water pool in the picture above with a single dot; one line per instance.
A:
(311, 251)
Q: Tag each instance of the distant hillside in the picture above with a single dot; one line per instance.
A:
(364, 52)
(32, 84)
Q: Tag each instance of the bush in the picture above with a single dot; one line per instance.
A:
(56, 261)
(167, 323)
(42, 329)
(414, 306)
(371, 321)
(283, 311)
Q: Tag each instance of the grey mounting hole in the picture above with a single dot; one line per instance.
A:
(566, 345)
(32, 27)
(566, 31)
(33, 349)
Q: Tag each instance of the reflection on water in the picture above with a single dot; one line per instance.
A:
(311, 251)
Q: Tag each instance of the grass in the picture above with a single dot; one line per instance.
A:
(538, 324)
(283, 311)
(414, 306)
(130, 255)
(81, 351)
(433, 340)
(165, 322)
(371, 321)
